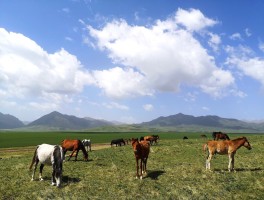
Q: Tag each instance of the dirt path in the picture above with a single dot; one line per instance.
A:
(18, 151)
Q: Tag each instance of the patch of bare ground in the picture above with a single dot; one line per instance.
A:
(19, 151)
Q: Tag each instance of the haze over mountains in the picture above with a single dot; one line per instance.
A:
(178, 122)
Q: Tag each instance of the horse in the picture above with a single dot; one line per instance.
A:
(220, 135)
(118, 142)
(50, 155)
(203, 136)
(74, 146)
(88, 144)
(185, 138)
(151, 139)
(141, 150)
(225, 147)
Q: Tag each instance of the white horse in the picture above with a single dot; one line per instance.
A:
(87, 144)
(49, 155)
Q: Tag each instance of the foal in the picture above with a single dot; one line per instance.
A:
(225, 147)
(141, 151)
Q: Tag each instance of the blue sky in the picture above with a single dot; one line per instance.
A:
(132, 61)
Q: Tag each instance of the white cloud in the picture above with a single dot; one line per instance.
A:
(236, 36)
(193, 19)
(261, 46)
(252, 67)
(148, 107)
(161, 57)
(114, 105)
(248, 32)
(214, 41)
(120, 83)
(27, 70)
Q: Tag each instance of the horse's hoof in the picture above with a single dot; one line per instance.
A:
(141, 177)
(32, 179)
(53, 184)
(41, 179)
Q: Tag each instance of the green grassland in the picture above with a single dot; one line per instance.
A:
(176, 170)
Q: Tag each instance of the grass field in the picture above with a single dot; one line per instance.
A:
(176, 170)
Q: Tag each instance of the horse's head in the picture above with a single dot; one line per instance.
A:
(246, 144)
(135, 144)
(57, 165)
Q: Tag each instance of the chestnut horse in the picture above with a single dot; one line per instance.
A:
(74, 146)
(225, 147)
(141, 151)
(151, 139)
(220, 135)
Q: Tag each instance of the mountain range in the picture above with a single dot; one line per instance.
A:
(177, 122)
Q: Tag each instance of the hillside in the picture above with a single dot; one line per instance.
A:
(9, 122)
(56, 120)
(182, 122)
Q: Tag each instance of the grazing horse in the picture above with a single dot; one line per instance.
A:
(225, 147)
(87, 144)
(151, 139)
(220, 135)
(185, 138)
(74, 146)
(118, 142)
(50, 155)
(141, 150)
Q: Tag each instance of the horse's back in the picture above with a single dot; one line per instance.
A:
(218, 146)
(44, 153)
(145, 145)
(70, 144)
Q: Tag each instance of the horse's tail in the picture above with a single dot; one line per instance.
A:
(34, 158)
(205, 147)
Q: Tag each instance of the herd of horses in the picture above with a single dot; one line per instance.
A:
(54, 155)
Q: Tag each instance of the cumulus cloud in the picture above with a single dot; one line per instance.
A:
(162, 57)
(193, 19)
(27, 70)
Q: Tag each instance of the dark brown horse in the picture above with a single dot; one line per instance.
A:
(225, 147)
(74, 146)
(220, 136)
(141, 151)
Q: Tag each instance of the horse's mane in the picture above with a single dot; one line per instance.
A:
(57, 154)
(240, 138)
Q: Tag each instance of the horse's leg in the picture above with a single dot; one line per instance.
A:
(71, 154)
(34, 171)
(208, 160)
(76, 154)
(145, 169)
(137, 167)
(231, 162)
(141, 168)
(40, 172)
(53, 180)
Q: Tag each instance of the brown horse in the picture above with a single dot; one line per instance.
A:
(141, 151)
(225, 147)
(74, 146)
(220, 135)
(152, 139)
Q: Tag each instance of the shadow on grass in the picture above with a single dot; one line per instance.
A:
(155, 174)
(68, 180)
(240, 170)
